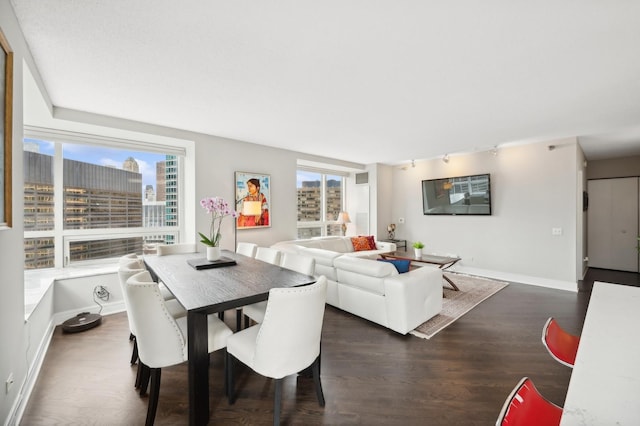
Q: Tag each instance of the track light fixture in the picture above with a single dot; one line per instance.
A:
(413, 163)
(445, 158)
(494, 151)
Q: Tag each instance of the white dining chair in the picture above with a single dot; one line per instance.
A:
(247, 249)
(295, 262)
(166, 249)
(162, 339)
(279, 346)
(133, 257)
(268, 254)
(255, 311)
(175, 309)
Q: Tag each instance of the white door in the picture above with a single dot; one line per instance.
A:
(613, 224)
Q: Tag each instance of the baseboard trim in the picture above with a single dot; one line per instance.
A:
(524, 279)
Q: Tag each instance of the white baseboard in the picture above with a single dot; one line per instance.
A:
(524, 279)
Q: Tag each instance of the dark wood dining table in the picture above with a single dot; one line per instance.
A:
(207, 291)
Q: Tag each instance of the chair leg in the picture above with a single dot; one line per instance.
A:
(277, 402)
(153, 396)
(230, 378)
(134, 353)
(139, 376)
(144, 379)
(247, 321)
(315, 367)
(238, 319)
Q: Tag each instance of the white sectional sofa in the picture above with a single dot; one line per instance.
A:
(374, 290)
(325, 250)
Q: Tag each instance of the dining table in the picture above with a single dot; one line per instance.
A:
(211, 290)
(604, 388)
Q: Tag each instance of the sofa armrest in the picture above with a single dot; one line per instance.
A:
(385, 247)
(412, 298)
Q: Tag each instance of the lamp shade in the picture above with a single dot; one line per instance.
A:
(343, 217)
(251, 208)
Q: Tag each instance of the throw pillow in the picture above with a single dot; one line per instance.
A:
(372, 242)
(360, 243)
(401, 265)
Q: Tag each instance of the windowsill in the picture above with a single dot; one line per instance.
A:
(38, 281)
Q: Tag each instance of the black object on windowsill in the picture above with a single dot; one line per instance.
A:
(203, 263)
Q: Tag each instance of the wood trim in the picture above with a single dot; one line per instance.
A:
(8, 130)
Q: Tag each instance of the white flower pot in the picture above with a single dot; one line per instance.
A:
(418, 252)
(213, 253)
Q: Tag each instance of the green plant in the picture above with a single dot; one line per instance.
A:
(418, 245)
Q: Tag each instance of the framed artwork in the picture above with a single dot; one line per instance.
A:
(253, 194)
(6, 112)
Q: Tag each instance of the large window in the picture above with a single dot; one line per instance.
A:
(86, 201)
(321, 197)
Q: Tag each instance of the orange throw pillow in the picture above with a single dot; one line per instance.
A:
(362, 243)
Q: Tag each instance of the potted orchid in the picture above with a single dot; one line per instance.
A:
(218, 208)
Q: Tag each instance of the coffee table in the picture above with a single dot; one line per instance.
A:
(443, 262)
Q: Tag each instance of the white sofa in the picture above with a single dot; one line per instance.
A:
(376, 291)
(363, 286)
(325, 250)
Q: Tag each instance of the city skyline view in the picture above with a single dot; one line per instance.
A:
(105, 156)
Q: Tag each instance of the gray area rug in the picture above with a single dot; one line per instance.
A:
(473, 290)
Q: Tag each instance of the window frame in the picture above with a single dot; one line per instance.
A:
(63, 238)
(323, 223)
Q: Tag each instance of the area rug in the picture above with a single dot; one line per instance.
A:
(473, 290)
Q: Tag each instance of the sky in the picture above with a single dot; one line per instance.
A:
(105, 156)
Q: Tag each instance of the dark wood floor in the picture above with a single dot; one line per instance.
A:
(370, 375)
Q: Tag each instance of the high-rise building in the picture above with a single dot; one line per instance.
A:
(131, 165)
(94, 197)
(149, 195)
(171, 188)
(161, 193)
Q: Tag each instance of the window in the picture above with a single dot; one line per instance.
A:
(87, 200)
(321, 197)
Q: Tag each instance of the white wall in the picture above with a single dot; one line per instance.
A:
(13, 330)
(533, 190)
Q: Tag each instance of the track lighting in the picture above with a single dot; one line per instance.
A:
(445, 158)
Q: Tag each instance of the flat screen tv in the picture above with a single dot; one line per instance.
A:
(462, 195)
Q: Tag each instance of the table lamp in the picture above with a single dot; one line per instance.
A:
(343, 219)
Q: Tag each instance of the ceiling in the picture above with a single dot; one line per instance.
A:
(363, 80)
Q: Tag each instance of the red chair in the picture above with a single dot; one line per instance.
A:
(526, 407)
(560, 344)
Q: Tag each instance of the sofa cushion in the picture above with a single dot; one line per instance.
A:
(402, 265)
(335, 244)
(361, 243)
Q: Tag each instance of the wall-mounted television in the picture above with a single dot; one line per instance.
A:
(462, 195)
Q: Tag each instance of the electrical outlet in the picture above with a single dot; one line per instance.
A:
(9, 383)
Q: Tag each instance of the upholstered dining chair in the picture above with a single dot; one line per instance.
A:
(175, 309)
(128, 259)
(295, 262)
(166, 249)
(562, 346)
(279, 346)
(269, 255)
(247, 249)
(525, 406)
(256, 310)
(162, 339)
